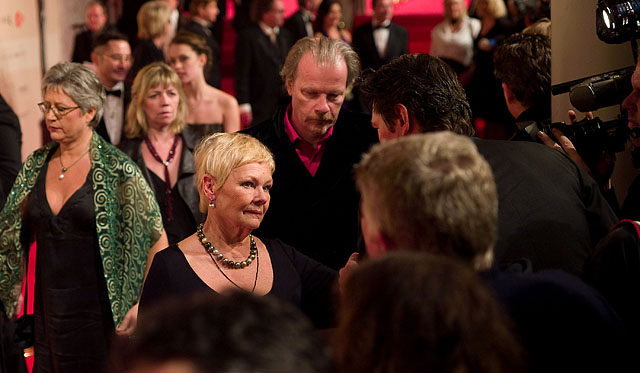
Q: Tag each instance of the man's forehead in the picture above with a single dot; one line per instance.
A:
(118, 45)
(309, 66)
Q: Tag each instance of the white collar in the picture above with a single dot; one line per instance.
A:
(269, 30)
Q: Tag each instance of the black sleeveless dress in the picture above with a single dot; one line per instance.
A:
(182, 225)
(197, 131)
(73, 320)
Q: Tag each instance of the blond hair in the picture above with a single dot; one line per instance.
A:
(151, 76)
(218, 154)
(152, 19)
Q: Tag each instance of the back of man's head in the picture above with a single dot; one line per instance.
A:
(431, 192)
(523, 62)
(426, 86)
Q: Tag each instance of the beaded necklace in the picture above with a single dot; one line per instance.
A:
(218, 256)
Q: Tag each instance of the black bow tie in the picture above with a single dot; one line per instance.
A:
(378, 27)
(115, 92)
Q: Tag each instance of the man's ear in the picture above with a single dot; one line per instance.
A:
(402, 122)
(509, 97)
(94, 58)
(289, 85)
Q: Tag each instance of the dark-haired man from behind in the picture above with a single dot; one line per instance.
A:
(551, 211)
(112, 58)
(523, 64)
(315, 143)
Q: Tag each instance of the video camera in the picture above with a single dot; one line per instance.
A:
(592, 137)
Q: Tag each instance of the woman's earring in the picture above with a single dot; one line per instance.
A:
(211, 204)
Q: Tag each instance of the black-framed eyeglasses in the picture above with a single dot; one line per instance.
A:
(58, 111)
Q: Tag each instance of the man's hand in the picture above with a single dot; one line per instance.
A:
(347, 270)
(128, 324)
(605, 163)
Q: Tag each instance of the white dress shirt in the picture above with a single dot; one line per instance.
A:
(113, 113)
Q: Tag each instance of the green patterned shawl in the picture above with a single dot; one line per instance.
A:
(128, 223)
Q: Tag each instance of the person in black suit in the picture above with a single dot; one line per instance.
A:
(315, 143)
(259, 55)
(523, 64)
(96, 23)
(379, 41)
(112, 58)
(300, 24)
(551, 211)
(10, 147)
(203, 15)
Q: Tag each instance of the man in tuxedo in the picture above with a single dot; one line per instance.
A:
(300, 24)
(112, 58)
(259, 55)
(203, 15)
(96, 23)
(551, 211)
(380, 41)
(314, 204)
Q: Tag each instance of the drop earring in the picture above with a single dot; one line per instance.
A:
(212, 204)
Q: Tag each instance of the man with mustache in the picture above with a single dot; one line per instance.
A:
(314, 204)
(112, 58)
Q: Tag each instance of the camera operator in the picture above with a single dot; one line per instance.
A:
(602, 170)
(523, 64)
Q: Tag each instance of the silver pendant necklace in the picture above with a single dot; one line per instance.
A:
(65, 169)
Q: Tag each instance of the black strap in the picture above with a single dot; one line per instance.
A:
(26, 284)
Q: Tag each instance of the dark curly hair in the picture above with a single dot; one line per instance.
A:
(426, 86)
(523, 62)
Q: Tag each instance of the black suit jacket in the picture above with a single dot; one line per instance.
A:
(257, 70)
(213, 77)
(318, 215)
(83, 45)
(365, 46)
(101, 128)
(10, 149)
(145, 53)
(549, 210)
(296, 26)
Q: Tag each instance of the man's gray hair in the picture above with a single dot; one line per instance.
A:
(326, 52)
(432, 192)
(78, 82)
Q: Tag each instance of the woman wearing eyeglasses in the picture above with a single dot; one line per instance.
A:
(96, 223)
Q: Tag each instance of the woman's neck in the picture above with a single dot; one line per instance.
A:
(162, 135)
(196, 88)
(223, 239)
(159, 41)
(77, 146)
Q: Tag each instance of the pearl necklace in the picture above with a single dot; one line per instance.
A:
(253, 251)
(215, 254)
